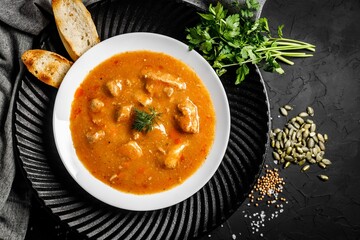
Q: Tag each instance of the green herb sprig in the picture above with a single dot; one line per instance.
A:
(234, 40)
(144, 121)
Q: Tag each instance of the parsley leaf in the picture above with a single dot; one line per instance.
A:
(235, 40)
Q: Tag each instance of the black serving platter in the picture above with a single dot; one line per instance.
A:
(65, 200)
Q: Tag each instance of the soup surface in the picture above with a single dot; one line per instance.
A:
(142, 122)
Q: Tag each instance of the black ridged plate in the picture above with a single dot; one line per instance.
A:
(208, 208)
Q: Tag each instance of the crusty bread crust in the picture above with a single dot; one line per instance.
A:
(47, 66)
(75, 26)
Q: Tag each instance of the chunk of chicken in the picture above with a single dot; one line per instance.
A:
(96, 105)
(157, 75)
(93, 137)
(168, 91)
(143, 98)
(161, 128)
(173, 157)
(124, 113)
(97, 120)
(114, 87)
(188, 119)
(131, 150)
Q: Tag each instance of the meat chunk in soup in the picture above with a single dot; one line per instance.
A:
(143, 98)
(124, 113)
(168, 91)
(152, 76)
(188, 119)
(157, 89)
(98, 120)
(93, 137)
(131, 150)
(96, 105)
(160, 128)
(173, 157)
(114, 87)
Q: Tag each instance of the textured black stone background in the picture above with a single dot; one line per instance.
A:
(330, 83)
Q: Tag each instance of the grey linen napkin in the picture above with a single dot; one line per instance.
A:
(20, 22)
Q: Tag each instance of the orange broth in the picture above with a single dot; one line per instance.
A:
(102, 132)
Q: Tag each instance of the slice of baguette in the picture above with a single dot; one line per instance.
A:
(75, 26)
(47, 66)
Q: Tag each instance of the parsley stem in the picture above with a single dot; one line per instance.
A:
(284, 60)
(283, 48)
(291, 40)
(294, 54)
(304, 46)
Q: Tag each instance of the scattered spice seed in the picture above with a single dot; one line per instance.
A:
(268, 187)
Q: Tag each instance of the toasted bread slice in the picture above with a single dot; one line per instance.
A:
(47, 66)
(75, 26)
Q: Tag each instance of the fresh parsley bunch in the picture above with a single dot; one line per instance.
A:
(227, 40)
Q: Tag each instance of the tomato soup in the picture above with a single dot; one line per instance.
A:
(142, 122)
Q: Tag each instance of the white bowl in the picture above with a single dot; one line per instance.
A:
(78, 72)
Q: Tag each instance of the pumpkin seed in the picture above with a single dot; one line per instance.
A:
(299, 120)
(287, 144)
(287, 164)
(289, 158)
(306, 133)
(310, 111)
(323, 177)
(326, 161)
(320, 137)
(301, 156)
(305, 168)
(288, 107)
(312, 161)
(304, 149)
(276, 155)
(272, 143)
(318, 157)
(283, 111)
(309, 121)
(313, 127)
(322, 165)
(300, 150)
(277, 144)
(302, 162)
(310, 143)
(277, 130)
(288, 150)
(303, 114)
(296, 125)
(326, 137)
(286, 130)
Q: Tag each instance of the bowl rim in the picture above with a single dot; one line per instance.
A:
(134, 42)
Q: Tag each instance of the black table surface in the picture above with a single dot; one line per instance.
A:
(330, 83)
